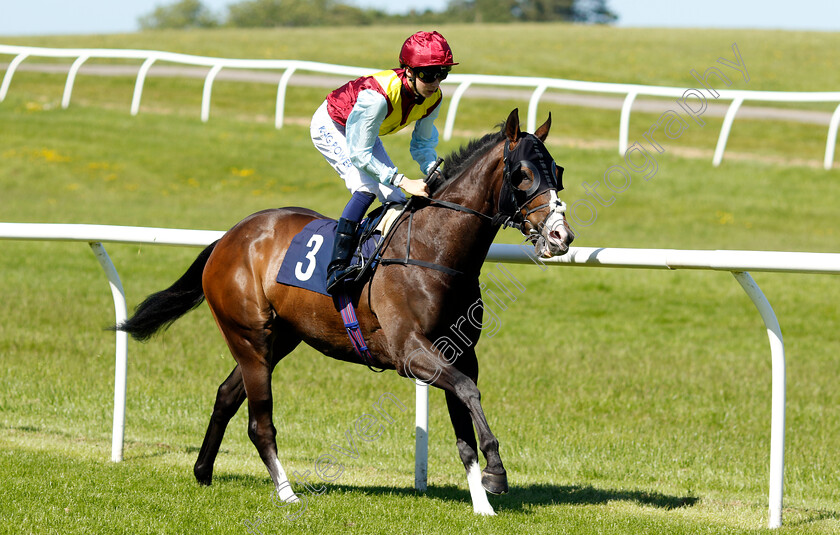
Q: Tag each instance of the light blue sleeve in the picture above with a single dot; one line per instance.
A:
(424, 141)
(362, 131)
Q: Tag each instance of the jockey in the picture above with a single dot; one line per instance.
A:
(347, 126)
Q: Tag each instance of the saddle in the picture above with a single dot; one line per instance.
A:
(306, 260)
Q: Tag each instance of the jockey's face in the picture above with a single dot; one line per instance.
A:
(425, 89)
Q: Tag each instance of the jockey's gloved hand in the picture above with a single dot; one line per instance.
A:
(415, 187)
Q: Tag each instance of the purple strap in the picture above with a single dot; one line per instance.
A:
(351, 323)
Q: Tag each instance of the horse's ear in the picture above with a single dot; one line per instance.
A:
(512, 126)
(542, 131)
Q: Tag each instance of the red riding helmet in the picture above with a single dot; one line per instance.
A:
(424, 49)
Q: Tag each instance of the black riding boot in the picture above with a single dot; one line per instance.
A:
(343, 249)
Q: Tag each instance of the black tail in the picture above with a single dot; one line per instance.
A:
(161, 309)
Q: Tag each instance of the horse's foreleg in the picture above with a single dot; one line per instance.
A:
(229, 398)
(468, 450)
(424, 363)
(494, 476)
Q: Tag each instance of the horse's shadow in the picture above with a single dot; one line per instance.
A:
(520, 498)
(523, 498)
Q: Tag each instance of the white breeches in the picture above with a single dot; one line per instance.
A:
(330, 140)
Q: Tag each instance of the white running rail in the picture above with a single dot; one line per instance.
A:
(739, 263)
(463, 81)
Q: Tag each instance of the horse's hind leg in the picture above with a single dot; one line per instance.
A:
(249, 347)
(229, 398)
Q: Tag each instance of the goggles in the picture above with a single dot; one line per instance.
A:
(432, 73)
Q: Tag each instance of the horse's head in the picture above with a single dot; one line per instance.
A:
(528, 197)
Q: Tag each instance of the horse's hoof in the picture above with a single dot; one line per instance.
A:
(494, 483)
(203, 477)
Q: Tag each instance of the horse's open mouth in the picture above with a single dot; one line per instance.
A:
(553, 246)
(558, 240)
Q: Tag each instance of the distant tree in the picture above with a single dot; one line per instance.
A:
(481, 10)
(346, 15)
(544, 10)
(183, 14)
(593, 11)
(257, 13)
(279, 13)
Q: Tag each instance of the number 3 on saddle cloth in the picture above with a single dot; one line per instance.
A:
(306, 261)
(305, 264)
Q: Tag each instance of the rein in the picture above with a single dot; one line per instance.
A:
(457, 208)
(407, 260)
(502, 220)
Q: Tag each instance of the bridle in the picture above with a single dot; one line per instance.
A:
(528, 164)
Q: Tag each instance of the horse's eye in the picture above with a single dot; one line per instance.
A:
(523, 178)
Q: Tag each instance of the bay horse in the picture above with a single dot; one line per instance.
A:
(506, 178)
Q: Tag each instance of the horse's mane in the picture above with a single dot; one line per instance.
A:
(462, 158)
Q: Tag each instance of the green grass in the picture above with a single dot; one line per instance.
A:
(625, 401)
(783, 60)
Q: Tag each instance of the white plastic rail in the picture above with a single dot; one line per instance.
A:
(95, 235)
(463, 81)
(739, 263)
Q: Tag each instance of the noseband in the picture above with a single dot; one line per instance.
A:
(529, 161)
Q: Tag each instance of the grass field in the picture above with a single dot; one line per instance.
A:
(625, 401)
